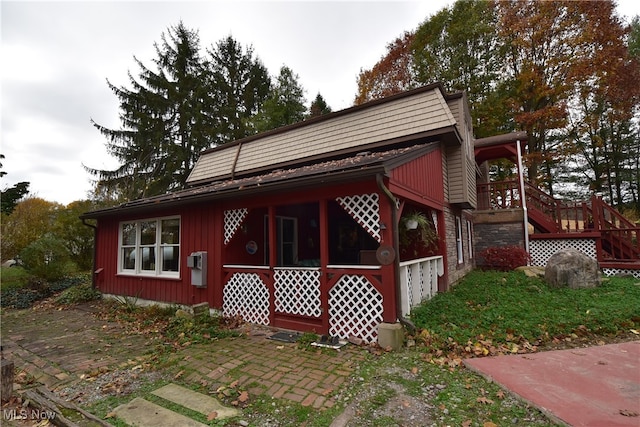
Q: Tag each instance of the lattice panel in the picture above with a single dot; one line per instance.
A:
(541, 250)
(246, 295)
(620, 272)
(365, 209)
(298, 292)
(355, 308)
(232, 221)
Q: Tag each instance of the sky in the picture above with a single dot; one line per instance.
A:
(57, 56)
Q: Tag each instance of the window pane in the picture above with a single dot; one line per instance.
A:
(170, 231)
(148, 259)
(128, 258)
(129, 233)
(148, 233)
(170, 258)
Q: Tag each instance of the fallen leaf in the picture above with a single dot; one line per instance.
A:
(489, 424)
(484, 400)
(628, 413)
(244, 396)
(467, 386)
(500, 394)
(414, 370)
(110, 415)
(178, 375)
(327, 391)
(633, 331)
(212, 416)
(466, 423)
(234, 384)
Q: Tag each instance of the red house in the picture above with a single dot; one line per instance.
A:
(303, 227)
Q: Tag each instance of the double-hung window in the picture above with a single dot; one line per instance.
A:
(150, 247)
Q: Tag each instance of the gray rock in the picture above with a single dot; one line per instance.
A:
(573, 269)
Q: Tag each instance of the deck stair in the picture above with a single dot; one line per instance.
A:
(617, 238)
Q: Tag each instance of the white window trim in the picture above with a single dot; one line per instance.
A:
(137, 271)
(459, 246)
(470, 239)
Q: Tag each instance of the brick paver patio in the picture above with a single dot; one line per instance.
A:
(57, 347)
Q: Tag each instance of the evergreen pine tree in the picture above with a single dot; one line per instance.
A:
(167, 118)
(285, 104)
(241, 84)
(319, 107)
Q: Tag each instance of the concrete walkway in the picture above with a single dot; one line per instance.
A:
(594, 386)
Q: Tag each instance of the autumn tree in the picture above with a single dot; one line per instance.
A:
(285, 104)
(31, 219)
(549, 50)
(167, 118)
(459, 47)
(318, 107)
(392, 74)
(76, 236)
(605, 142)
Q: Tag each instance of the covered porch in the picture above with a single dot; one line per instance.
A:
(328, 261)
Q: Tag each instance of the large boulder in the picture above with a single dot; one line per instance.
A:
(573, 269)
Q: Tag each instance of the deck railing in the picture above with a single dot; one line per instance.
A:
(419, 281)
(618, 236)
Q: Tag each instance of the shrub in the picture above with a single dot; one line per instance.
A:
(504, 258)
(13, 277)
(47, 258)
(77, 294)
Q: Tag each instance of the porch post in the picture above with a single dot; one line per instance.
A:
(523, 197)
(324, 261)
(273, 260)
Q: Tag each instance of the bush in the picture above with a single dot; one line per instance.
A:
(35, 289)
(13, 277)
(504, 258)
(77, 294)
(47, 258)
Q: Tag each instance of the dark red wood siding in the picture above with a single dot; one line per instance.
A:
(200, 227)
(421, 179)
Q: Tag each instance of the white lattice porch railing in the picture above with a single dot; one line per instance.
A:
(419, 281)
(297, 291)
(246, 295)
(355, 308)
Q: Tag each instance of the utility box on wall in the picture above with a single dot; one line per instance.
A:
(197, 262)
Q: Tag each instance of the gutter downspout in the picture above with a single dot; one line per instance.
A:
(523, 197)
(396, 246)
(95, 251)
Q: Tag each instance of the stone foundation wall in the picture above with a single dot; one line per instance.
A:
(498, 229)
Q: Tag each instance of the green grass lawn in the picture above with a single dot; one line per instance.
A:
(508, 308)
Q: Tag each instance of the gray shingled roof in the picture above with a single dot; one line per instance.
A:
(364, 164)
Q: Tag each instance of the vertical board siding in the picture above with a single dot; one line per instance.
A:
(423, 175)
(196, 234)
